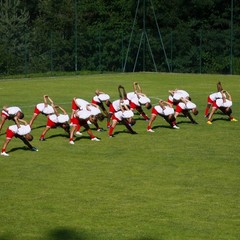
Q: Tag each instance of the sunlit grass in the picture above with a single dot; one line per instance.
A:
(171, 184)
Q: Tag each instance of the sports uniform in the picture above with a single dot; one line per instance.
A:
(126, 117)
(164, 110)
(22, 132)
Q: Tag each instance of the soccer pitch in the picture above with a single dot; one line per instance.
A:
(170, 184)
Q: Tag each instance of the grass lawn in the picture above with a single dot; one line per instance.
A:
(170, 184)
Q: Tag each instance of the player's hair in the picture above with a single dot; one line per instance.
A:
(20, 115)
(228, 111)
(133, 122)
(148, 105)
(29, 137)
(195, 111)
(100, 117)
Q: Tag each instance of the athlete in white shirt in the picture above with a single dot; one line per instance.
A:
(125, 116)
(211, 99)
(10, 113)
(165, 110)
(81, 104)
(176, 96)
(56, 120)
(19, 131)
(81, 118)
(185, 106)
(44, 108)
(100, 98)
(224, 104)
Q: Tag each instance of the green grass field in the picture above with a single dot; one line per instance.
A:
(171, 184)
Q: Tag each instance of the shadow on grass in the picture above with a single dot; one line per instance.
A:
(69, 234)
(188, 122)
(42, 126)
(6, 237)
(80, 138)
(147, 238)
(223, 119)
(58, 135)
(65, 233)
(161, 126)
(72, 234)
(19, 148)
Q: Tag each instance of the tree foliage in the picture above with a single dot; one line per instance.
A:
(67, 35)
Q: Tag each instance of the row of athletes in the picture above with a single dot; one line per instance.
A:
(121, 111)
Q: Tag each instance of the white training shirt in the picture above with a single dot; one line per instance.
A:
(215, 96)
(12, 111)
(116, 104)
(178, 94)
(94, 110)
(83, 114)
(167, 111)
(81, 103)
(62, 118)
(23, 130)
(220, 103)
(45, 109)
(188, 106)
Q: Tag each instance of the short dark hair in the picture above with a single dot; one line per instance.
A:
(29, 137)
(149, 105)
(100, 117)
(20, 115)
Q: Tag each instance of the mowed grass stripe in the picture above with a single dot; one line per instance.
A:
(171, 184)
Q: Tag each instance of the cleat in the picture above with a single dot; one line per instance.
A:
(95, 139)
(108, 126)
(71, 142)
(34, 149)
(150, 130)
(233, 120)
(4, 154)
(209, 122)
(176, 127)
(78, 133)
(42, 139)
(206, 116)
(110, 136)
(100, 130)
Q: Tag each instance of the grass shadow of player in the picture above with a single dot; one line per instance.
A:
(161, 126)
(220, 119)
(42, 126)
(19, 148)
(58, 135)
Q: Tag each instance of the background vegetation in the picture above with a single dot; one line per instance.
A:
(72, 35)
(171, 184)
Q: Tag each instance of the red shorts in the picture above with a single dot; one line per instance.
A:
(94, 102)
(74, 105)
(215, 104)
(111, 109)
(36, 110)
(115, 118)
(50, 123)
(209, 100)
(74, 121)
(133, 105)
(9, 134)
(4, 114)
(178, 109)
(154, 111)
